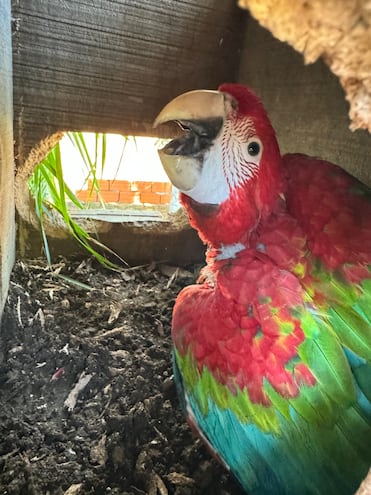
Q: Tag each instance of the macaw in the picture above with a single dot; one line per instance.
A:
(272, 346)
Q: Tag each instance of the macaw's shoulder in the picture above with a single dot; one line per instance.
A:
(313, 183)
(332, 207)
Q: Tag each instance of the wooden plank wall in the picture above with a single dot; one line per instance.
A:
(7, 222)
(110, 65)
(305, 102)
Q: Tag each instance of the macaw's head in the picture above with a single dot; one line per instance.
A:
(226, 164)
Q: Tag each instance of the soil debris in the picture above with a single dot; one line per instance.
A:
(87, 399)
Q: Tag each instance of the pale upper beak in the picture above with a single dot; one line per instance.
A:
(194, 105)
(201, 114)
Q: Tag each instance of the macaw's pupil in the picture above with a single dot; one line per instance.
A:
(253, 148)
(272, 348)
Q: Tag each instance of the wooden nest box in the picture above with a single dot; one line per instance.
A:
(111, 66)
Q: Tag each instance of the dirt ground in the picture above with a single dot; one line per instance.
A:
(87, 399)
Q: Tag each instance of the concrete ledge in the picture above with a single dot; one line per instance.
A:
(139, 243)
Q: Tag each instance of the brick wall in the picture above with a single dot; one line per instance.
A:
(123, 191)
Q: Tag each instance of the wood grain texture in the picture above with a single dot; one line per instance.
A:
(7, 221)
(111, 65)
(305, 102)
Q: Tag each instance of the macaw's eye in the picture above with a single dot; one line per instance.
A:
(253, 148)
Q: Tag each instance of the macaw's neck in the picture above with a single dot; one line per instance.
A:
(227, 228)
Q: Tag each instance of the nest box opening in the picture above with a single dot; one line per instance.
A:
(110, 185)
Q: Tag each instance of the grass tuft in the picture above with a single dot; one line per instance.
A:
(51, 194)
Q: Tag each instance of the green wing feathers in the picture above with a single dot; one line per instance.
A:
(346, 312)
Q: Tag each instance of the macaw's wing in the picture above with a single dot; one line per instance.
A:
(334, 210)
(270, 382)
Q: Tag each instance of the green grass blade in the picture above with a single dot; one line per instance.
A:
(78, 140)
(72, 281)
(91, 164)
(104, 152)
(126, 139)
(49, 190)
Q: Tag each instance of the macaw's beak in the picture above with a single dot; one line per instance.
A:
(200, 114)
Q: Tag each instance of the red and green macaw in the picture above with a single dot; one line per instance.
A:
(272, 348)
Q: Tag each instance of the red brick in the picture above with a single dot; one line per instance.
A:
(90, 184)
(165, 198)
(110, 196)
(104, 185)
(150, 197)
(81, 194)
(85, 195)
(128, 196)
(120, 185)
(161, 187)
(141, 185)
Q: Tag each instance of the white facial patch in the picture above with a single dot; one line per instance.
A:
(232, 160)
(212, 186)
(242, 151)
